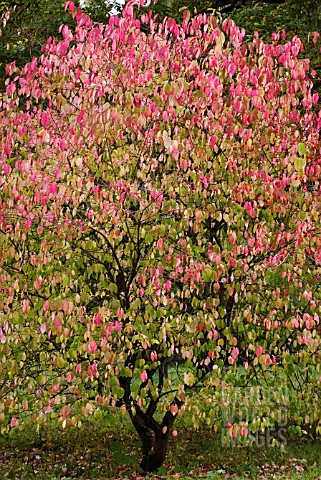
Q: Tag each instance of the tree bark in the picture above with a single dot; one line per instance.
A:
(153, 435)
(154, 449)
(154, 441)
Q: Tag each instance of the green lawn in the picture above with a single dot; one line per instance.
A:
(99, 452)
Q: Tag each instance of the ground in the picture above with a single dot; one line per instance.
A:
(98, 451)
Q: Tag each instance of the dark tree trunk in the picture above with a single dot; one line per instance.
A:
(154, 449)
(154, 436)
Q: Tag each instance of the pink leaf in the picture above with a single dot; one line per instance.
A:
(92, 347)
(160, 243)
(259, 351)
(235, 352)
(43, 328)
(45, 119)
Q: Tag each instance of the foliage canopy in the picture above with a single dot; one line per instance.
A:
(159, 212)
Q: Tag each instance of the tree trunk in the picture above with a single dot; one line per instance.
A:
(154, 449)
(154, 441)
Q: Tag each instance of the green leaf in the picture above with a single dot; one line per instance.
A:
(301, 149)
(299, 163)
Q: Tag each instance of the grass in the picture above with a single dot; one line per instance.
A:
(100, 452)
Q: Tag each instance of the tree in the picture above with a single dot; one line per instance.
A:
(266, 17)
(175, 8)
(294, 17)
(159, 228)
(29, 25)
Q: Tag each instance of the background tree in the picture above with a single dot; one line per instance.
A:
(294, 17)
(175, 8)
(266, 17)
(31, 23)
(159, 228)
